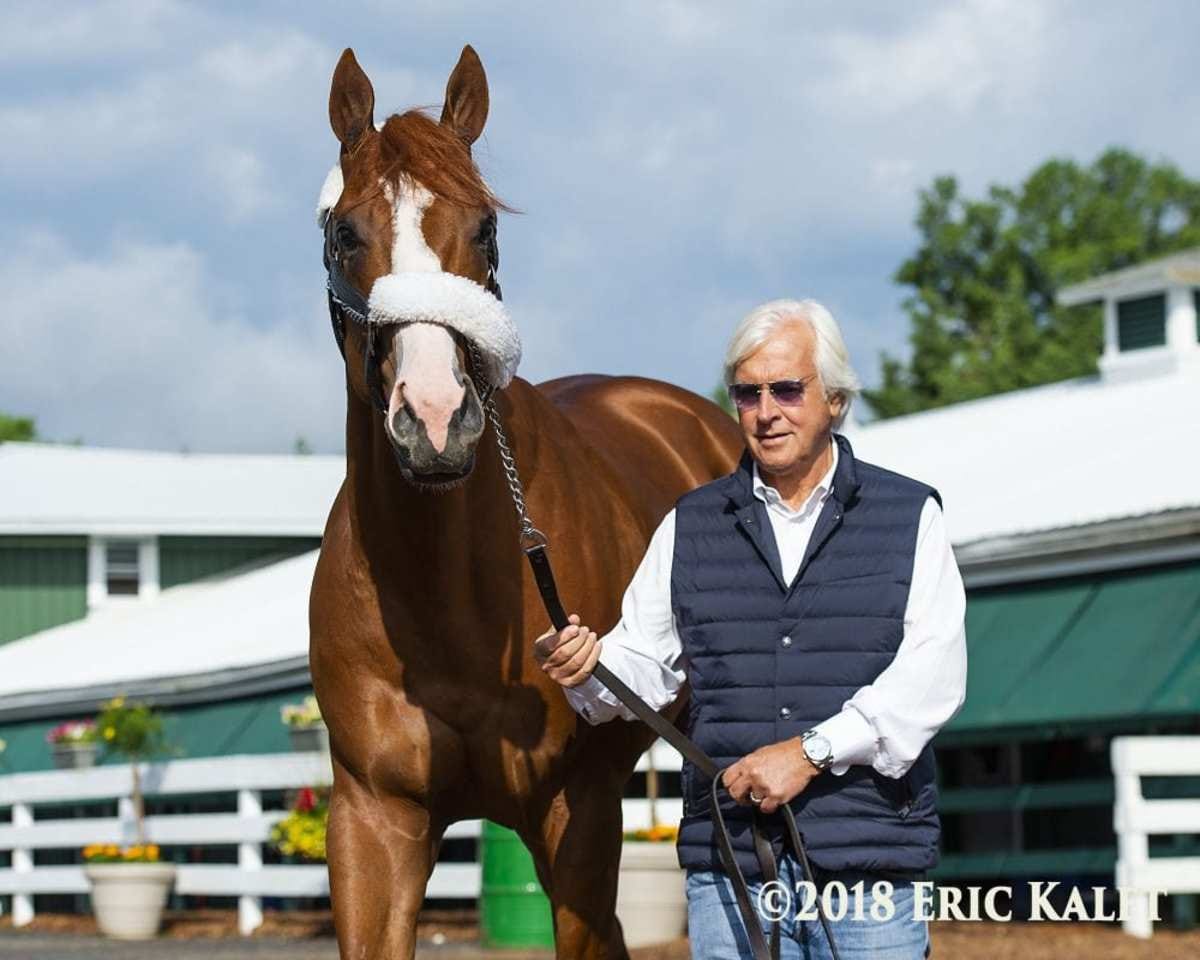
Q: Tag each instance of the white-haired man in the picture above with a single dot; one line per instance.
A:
(813, 604)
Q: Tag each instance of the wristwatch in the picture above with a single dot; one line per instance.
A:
(817, 748)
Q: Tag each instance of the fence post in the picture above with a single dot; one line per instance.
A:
(250, 914)
(22, 862)
(1133, 844)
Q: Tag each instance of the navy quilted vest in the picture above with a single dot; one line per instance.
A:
(844, 617)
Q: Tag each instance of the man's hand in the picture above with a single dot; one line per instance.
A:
(570, 655)
(775, 773)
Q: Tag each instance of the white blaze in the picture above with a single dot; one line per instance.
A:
(426, 351)
(410, 252)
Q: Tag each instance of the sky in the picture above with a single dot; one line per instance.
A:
(674, 164)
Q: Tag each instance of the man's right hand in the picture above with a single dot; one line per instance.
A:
(568, 656)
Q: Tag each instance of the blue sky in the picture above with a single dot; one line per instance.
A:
(675, 163)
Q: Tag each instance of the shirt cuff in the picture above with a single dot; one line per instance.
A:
(583, 699)
(851, 739)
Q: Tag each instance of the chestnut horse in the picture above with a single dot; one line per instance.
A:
(423, 611)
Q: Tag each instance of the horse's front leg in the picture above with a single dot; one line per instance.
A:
(381, 851)
(578, 861)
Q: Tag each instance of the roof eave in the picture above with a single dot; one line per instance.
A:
(1116, 544)
(176, 691)
(1182, 272)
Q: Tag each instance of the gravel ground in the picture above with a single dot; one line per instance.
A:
(207, 936)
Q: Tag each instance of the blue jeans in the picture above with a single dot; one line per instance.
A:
(716, 931)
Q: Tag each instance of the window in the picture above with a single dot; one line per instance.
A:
(121, 568)
(1142, 322)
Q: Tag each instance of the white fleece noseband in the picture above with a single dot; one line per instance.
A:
(455, 302)
(442, 298)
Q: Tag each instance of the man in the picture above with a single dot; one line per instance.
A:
(813, 603)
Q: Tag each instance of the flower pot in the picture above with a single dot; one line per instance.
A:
(651, 895)
(74, 756)
(312, 737)
(128, 898)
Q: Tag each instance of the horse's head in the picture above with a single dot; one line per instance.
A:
(410, 234)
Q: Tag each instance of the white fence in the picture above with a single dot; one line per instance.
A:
(249, 827)
(1135, 818)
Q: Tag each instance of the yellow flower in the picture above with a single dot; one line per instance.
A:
(152, 851)
(110, 732)
(117, 702)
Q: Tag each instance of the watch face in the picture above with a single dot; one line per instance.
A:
(817, 748)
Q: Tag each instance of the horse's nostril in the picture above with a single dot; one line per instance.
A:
(403, 422)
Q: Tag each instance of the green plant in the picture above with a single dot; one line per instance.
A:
(133, 731)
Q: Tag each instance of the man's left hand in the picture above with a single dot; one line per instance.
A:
(776, 773)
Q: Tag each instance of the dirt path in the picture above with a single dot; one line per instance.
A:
(211, 936)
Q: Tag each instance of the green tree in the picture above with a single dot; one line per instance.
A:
(16, 428)
(982, 312)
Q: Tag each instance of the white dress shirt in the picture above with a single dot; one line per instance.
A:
(885, 724)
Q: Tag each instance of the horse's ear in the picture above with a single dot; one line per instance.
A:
(466, 107)
(351, 101)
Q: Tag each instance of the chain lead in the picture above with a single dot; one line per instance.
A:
(530, 534)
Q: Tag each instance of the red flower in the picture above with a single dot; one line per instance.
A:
(306, 800)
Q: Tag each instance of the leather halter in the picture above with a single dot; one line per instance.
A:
(346, 301)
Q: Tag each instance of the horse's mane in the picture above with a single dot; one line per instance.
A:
(419, 148)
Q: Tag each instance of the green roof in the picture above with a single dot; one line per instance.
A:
(1097, 650)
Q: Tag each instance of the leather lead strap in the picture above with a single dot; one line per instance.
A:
(543, 576)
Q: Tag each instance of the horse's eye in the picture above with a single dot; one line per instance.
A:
(347, 239)
(487, 231)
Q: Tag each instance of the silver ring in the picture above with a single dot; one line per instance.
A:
(754, 799)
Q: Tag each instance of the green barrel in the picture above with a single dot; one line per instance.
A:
(514, 911)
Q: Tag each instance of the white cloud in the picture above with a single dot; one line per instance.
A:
(240, 183)
(84, 31)
(132, 346)
(215, 98)
(951, 59)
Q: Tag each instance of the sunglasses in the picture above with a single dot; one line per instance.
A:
(788, 393)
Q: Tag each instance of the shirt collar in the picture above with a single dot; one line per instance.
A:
(770, 496)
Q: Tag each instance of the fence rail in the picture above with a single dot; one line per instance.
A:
(248, 828)
(33, 797)
(1136, 819)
